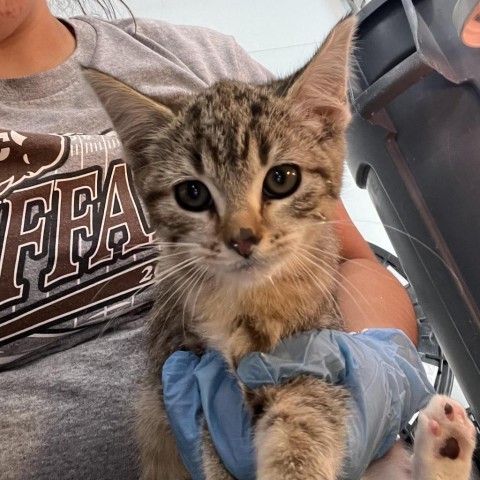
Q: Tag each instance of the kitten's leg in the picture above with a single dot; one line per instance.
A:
(300, 433)
(213, 467)
(159, 457)
(444, 441)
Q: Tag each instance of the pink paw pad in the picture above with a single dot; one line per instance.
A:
(451, 411)
(449, 424)
(434, 428)
(448, 409)
(444, 441)
(450, 449)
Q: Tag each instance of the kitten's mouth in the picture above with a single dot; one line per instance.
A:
(257, 268)
(243, 265)
(247, 266)
(246, 272)
(240, 266)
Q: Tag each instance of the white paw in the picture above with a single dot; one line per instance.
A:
(444, 441)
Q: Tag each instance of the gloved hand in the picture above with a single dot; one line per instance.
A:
(196, 387)
(380, 367)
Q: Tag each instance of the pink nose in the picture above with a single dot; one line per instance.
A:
(244, 242)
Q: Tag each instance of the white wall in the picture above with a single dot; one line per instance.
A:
(280, 34)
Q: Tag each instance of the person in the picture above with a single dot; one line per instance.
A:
(75, 262)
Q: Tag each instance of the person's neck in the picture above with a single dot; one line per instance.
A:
(39, 44)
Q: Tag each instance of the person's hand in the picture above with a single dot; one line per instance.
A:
(380, 367)
(202, 387)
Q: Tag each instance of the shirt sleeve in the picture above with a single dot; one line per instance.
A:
(211, 55)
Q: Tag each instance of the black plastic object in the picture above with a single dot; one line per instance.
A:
(414, 143)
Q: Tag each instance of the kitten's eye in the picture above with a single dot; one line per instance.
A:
(281, 181)
(193, 195)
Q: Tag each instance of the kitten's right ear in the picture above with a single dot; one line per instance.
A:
(134, 116)
(319, 89)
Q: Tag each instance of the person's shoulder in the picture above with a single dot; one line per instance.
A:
(180, 35)
(213, 55)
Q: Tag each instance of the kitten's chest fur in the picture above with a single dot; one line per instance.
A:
(237, 321)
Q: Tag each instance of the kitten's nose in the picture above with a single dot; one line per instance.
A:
(244, 242)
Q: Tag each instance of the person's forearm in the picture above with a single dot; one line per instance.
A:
(370, 296)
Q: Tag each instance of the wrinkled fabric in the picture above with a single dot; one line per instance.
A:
(380, 367)
(192, 385)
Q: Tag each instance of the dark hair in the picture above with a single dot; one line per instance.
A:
(105, 7)
(109, 9)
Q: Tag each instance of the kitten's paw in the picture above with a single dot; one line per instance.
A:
(444, 441)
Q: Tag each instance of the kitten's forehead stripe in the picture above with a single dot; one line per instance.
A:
(256, 110)
(246, 145)
(213, 150)
(197, 162)
(229, 119)
(263, 150)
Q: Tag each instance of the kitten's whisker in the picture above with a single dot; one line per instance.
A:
(179, 283)
(185, 286)
(326, 293)
(118, 312)
(202, 277)
(191, 263)
(106, 284)
(141, 248)
(293, 276)
(172, 270)
(160, 265)
(205, 276)
(176, 254)
(173, 285)
(191, 287)
(274, 286)
(191, 267)
(410, 237)
(329, 254)
(177, 244)
(388, 275)
(340, 284)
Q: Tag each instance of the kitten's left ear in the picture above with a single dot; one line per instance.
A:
(320, 88)
(134, 116)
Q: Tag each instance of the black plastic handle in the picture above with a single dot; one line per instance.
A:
(427, 58)
(393, 83)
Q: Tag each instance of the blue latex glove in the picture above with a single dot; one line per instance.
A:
(380, 367)
(196, 387)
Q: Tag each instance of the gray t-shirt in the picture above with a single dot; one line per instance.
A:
(75, 261)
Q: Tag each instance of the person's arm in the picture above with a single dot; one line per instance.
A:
(369, 296)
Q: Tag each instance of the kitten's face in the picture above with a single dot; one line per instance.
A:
(240, 177)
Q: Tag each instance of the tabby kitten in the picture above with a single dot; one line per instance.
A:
(240, 182)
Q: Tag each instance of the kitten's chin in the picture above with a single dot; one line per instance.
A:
(245, 274)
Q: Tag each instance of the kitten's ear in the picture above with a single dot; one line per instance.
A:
(134, 116)
(319, 89)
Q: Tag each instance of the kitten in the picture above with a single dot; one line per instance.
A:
(240, 182)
